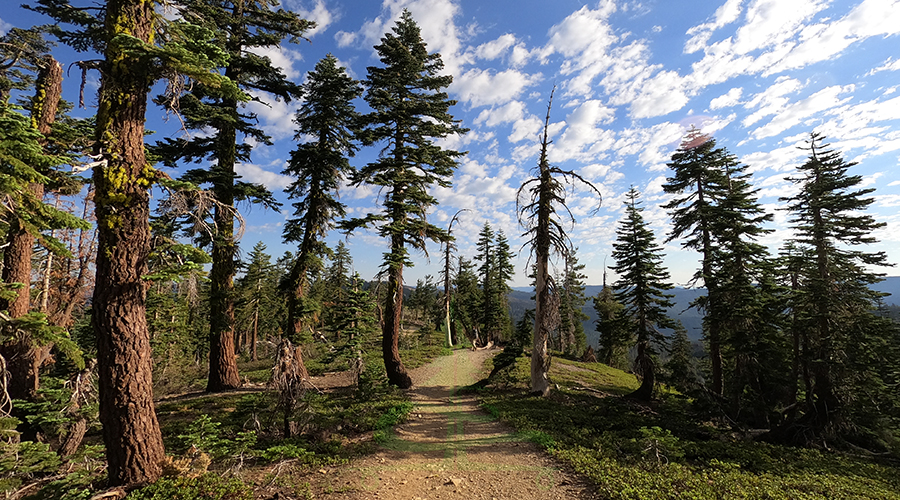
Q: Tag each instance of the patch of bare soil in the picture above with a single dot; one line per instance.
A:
(449, 449)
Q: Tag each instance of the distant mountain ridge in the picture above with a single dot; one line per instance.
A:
(520, 300)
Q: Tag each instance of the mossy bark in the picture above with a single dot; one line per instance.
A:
(131, 433)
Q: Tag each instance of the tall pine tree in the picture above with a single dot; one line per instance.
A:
(641, 288)
(410, 110)
(241, 27)
(833, 302)
(699, 185)
(327, 116)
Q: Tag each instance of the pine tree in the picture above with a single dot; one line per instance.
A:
(571, 314)
(27, 165)
(615, 338)
(546, 235)
(133, 57)
(486, 271)
(747, 309)
(680, 365)
(409, 111)
(259, 309)
(241, 27)
(327, 116)
(504, 270)
(641, 288)
(700, 184)
(467, 298)
(833, 302)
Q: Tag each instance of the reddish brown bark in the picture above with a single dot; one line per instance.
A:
(23, 357)
(390, 340)
(131, 433)
(223, 372)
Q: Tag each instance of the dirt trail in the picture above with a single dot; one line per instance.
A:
(450, 449)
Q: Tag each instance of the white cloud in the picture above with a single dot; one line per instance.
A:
(889, 65)
(259, 175)
(793, 114)
(317, 12)
(283, 58)
(509, 112)
(435, 19)
(726, 14)
(4, 27)
(727, 100)
(277, 115)
(495, 48)
(525, 128)
(480, 87)
(772, 100)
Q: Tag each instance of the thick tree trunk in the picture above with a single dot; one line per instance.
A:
(223, 371)
(134, 446)
(25, 359)
(540, 357)
(390, 341)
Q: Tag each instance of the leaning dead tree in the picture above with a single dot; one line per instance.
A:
(538, 203)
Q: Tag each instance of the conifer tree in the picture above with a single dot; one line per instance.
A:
(641, 288)
(259, 308)
(833, 301)
(27, 165)
(571, 330)
(410, 110)
(327, 116)
(241, 27)
(680, 365)
(746, 310)
(467, 297)
(615, 339)
(133, 57)
(699, 183)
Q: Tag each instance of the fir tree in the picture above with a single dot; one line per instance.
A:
(132, 58)
(571, 314)
(327, 116)
(615, 338)
(241, 27)
(699, 183)
(467, 298)
(641, 288)
(680, 365)
(833, 301)
(409, 112)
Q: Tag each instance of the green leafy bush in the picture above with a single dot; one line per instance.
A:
(205, 487)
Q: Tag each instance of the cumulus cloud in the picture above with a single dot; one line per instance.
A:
(725, 15)
(480, 87)
(315, 11)
(495, 48)
(257, 174)
(509, 112)
(282, 58)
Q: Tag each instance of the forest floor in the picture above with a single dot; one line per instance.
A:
(447, 449)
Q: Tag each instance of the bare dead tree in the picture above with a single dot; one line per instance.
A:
(537, 204)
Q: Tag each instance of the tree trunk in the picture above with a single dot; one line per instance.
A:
(134, 446)
(644, 364)
(390, 341)
(223, 371)
(25, 359)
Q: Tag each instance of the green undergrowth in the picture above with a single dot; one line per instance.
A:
(659, 451)
(333, 426)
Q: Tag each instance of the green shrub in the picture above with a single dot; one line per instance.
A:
(205, 487)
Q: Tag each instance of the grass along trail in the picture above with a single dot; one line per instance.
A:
(450, 449)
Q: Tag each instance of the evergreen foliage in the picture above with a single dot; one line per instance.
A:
(641, 287)
(327, 117)
(410, 111)
(615, 337)
(833, 305)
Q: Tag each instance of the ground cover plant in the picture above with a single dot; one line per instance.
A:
(659, 449)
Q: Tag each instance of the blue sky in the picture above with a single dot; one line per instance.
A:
(631, 78)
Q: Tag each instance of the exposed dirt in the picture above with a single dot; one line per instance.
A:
(449, 449)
